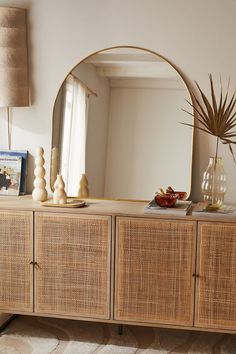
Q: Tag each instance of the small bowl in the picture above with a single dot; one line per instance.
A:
(181, 195)
(166, 200)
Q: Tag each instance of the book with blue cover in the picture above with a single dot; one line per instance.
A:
(24, 157)
(10, 174)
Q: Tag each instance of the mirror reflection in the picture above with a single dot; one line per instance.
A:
(116, 125)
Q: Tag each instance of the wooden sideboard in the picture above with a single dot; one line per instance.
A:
(111, 262)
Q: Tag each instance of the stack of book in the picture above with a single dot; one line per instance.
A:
(182, 207)
(226, 211)
(13, 172)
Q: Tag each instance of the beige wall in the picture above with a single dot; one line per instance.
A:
(197, 36)
(143, 141)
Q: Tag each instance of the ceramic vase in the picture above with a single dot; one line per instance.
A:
(39, 193)
(214, 182)
(83, 190)
(59, 194)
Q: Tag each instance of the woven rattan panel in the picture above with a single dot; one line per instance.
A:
(16, 280)
(216, 285)
(154, 264)
(73, 272)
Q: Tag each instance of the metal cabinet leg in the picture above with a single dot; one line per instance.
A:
(120, 329)
(7, 322)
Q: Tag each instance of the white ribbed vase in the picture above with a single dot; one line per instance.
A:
(214, 182)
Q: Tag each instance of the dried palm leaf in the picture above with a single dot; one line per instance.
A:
(215, 119)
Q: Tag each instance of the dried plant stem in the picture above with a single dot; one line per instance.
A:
(217, 145)
(217, 119)
(213, 197)
(213, 185)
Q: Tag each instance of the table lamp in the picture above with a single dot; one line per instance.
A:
(14, 81)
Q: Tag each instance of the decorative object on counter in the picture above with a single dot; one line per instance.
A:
(10, 174)
(169, 198)
(70, 203)
(54, 167)
(14, 82)
(218, 120)
(214, 182)
(181, 194)
(83, 190)
(205, 209)
(39, 193)
(24, 155)
(181, 207)
(59, 194)
(166, 200)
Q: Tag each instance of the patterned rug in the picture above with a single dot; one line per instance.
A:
(38, 335)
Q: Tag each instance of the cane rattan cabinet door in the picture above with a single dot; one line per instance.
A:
(154, 267)
(16, 256)
(72, 271)
(216, 284)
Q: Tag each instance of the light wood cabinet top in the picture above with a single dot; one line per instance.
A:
(101, 207)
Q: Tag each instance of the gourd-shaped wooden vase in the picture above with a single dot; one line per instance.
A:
(59, 194)
(83, 191)
(39, 193)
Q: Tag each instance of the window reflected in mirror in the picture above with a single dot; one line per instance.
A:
(73, 130)
(117, 121)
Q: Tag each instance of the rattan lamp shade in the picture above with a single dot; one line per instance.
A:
(14, 88)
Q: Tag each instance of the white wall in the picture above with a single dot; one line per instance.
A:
(197, 36)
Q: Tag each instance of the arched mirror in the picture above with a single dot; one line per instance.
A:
(116, 120)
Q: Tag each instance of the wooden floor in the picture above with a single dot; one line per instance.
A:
(35, 335)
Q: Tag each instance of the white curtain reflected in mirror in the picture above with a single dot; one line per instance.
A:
(73, 133)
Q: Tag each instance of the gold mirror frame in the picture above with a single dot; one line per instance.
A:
(54, 158)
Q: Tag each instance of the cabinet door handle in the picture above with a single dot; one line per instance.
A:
(195, 275)
(35, 264)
